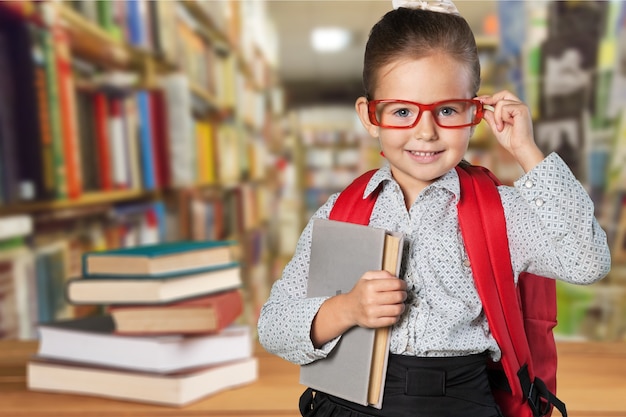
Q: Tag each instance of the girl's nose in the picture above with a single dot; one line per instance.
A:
(426, 128)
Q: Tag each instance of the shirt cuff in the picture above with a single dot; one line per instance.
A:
(313, 306)
(541, 184)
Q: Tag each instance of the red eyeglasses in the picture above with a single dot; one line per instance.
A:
(403, 114)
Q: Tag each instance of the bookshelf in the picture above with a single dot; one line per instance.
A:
(167, 107)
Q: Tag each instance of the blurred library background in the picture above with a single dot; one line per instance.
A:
(125, 123)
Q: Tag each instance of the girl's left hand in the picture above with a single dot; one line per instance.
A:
(511, 123)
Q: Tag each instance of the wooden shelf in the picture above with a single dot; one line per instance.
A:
(208, 27)
(93, 43)
(87, 199)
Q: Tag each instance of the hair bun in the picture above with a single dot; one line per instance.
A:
(441, 6)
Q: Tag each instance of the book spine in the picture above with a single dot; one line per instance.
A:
(43, 114)
(68, 112)
(116, 144)
(102, 140)
(86, 129)
(52, 89)
(160, 139)
(145, 140)
(8, 139)
(132, 140)
(135, 24)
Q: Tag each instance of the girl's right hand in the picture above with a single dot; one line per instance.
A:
(377, 300)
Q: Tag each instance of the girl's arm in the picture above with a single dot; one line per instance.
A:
(302, 330)
(550, 217)
(551, 225)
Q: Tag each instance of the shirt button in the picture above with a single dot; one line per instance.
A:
(539, 202)
(529, 184)
(466, 263)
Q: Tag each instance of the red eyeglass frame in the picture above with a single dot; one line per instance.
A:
(371, 111)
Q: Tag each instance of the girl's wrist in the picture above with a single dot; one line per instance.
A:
(529, 157)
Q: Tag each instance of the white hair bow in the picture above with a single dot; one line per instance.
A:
(441, 6)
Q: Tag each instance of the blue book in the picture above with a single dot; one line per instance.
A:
(145, 141)
(135, 23)
(161, 260)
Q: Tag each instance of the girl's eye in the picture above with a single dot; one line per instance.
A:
(447, 111)
(402, 112)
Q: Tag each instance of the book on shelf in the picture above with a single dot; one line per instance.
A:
(181, 139)
(160, 140)
(86, 118)
(93, 341)
(18, 315)
(9, 169)
(340, 254)
(204, 314)
(101, 116)
(162, 22)
(117, 144)
(54, 108)
(17, 225)
(24, 70)
(160, 259)
(174, 389)
(151, 289)
(67, 111)
(52, 266)
(149, 176)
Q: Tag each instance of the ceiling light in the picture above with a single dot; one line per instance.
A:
(330, 39)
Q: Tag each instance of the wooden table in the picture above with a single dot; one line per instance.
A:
(592, 381)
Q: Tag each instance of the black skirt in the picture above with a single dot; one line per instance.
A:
(419, 387)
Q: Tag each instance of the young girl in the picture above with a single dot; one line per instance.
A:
(421, 77)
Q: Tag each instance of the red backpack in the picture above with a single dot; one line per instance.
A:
(521, 318)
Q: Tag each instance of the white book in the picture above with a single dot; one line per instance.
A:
(92, 340)
(177, 389)
(15, 226)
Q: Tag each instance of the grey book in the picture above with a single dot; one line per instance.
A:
(340, 254)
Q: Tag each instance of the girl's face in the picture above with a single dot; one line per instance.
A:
(425, 152)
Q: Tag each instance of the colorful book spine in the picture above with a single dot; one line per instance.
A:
(145, 141)
(52, 90)
(102, 140)
(68, 112)
(43, 113)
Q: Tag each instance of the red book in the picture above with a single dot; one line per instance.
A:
(159, 138)
(68, 112)
(209, 313)
(101, 109)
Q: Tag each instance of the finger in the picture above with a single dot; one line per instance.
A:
(382, 274)
(391, 297)
(387, 285)
(385, 316)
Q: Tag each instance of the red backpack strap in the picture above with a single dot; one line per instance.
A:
(351, 206)
(483, 225)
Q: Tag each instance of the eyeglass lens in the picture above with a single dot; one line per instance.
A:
(446, 114)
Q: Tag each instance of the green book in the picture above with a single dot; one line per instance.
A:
(56, 129)
(160, 260)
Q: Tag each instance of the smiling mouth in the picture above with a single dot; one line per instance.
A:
(424, 154)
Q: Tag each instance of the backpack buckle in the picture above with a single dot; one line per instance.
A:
(540, 399)
(538, 395)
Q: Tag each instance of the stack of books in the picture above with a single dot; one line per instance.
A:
(170, 334)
